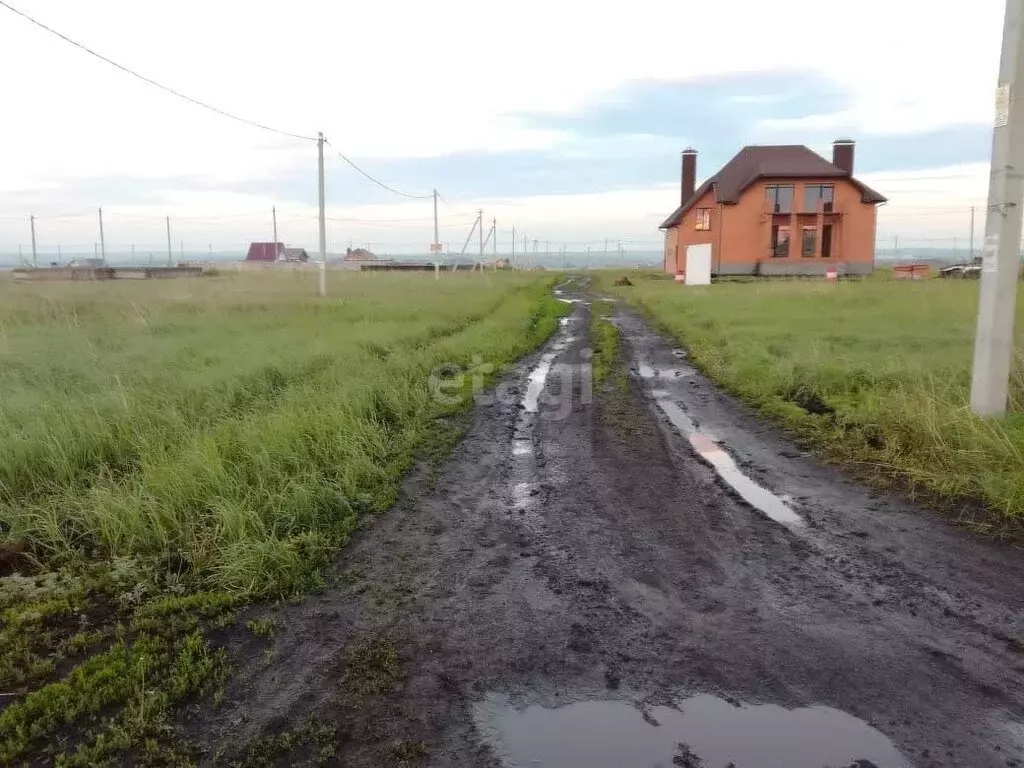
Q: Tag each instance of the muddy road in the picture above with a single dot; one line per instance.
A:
(632, 574)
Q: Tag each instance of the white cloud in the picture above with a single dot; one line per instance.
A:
(398, 78)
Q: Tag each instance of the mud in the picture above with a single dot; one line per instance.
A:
(594, 564)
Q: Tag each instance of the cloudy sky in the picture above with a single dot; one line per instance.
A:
(562, 118)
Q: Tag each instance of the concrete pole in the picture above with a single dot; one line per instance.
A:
(323, 214)
(32, 223)
(513, 254)
(273, 211)
(170, 256)
(972, 233)
(480, 223)
(1000, 265)
(436, 236)
(133, 253)
(103, 242)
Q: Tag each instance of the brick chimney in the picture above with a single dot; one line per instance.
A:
(842, 154)
(689, 183)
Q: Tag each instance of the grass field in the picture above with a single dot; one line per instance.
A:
(874, 374)
(169, 449)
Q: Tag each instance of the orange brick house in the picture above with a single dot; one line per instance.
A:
(776, 210)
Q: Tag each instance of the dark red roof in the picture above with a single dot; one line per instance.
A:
(792, 161)
(265, 252)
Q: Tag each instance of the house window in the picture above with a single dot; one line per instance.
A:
(780, 197)
(826, 241)
(809, 242)
(703, 218)
(815, 193)
(780, 242)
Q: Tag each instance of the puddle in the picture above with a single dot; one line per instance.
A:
(649, 372)
(536, 380)
(522, 446)
(707, 448)
(701, 732)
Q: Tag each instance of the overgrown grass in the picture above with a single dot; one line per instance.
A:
(875, 374)
(171, 449)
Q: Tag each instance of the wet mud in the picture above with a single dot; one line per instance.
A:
(637, 575)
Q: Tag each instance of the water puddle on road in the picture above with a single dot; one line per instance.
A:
(700, 732)
(709, 450)
(649, 372)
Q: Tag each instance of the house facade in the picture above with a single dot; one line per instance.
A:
(776, 210)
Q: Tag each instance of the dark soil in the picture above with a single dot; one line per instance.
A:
(14, 558)
(557, 559)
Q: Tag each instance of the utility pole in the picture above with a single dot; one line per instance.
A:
(181, 250)
(513, 254)
(323, 215)
(170, 257)
(895, 245)
(972, 233)
(1000, 265)
(133, 253)
(103, 243)
(60, 256)
(469, 237)
(480, 223)
(32, 223)
(273, 211)
(437, 244)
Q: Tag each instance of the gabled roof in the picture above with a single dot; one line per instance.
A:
(791, 161)
(265, 252)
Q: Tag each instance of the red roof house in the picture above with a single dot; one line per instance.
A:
(265, 252)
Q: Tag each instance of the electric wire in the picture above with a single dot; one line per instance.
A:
(150, 81)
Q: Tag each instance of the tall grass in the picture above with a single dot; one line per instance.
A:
(231, 431)
(876, 374)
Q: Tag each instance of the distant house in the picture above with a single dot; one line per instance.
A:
(359, 254)
(776, 210)
(275, 252)
(295, 254)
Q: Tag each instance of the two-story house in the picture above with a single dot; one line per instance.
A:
(776, 210)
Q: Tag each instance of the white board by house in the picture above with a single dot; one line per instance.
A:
(698, 264)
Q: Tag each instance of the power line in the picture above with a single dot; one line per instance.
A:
(150, 81)
(379, 183)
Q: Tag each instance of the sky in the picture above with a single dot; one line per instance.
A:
(559, 118)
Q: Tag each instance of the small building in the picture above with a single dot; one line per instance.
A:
(296, 254)
(275, 252)
(359, 254)
(776, 210)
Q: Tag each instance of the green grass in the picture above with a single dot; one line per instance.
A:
(170, 450)
(874, 374)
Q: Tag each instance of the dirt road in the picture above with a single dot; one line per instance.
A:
(644, 575)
